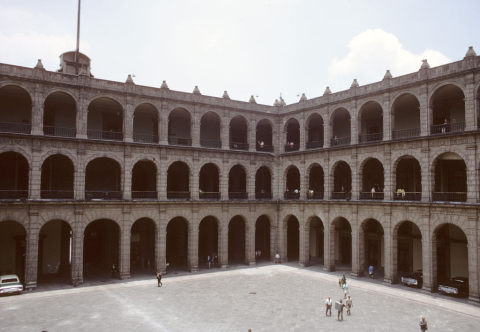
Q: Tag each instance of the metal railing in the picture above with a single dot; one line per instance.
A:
(292, 147)
(314, 145)
(211, 144)
(407, 196)
(405, 133)
(59, 131)
(370, 138)
(238, 146)
(107, 135)
(179, 141)
(340, 141)
(315, 195)
(261, 195)
(104, 195)
(178, 195)
(143, 138)
(265, 148)
(291, 195)
(342, 195)
(449, 197)
(447, 128)
(144, 195)
(18, 128)
(377, 196)
(13, 194)
(209, 195)
(237, 195)
(56, 194)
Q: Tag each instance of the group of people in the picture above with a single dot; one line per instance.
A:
(258, 254)
(340, 305)
(211, 260)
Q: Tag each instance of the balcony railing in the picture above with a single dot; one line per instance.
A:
(178, 195)
(292, 147)
(407, 196)
(143, 138)
(144, 195)
(291, 195)
(238, 146)
(314, 145)
(265, 148)
(179, 141)
(314, 195)
(211, 144)
(262, 195)
(449, 197)
(209, 195)
(370, 138)
(59, 131)
(18, 128)
(13, 194)
(237, 195)
(56, 194)
(367, 195)
(103, 195)
(340, 141)
(342, 195)
(107, 135)
(447, 128)
(405, 133)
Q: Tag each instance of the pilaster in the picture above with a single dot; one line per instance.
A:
(161, 241)
(77, 247)
(36, 170)
(31, 252)
(124, 244)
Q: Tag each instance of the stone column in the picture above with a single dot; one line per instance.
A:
(223, 242)
(36, 171)
(161, 241)
(470, 116)
(252, 136)
(31, 250)
(162, 177)
(303, 138)
(250, 244)
(387, 117)
(195, 178)
(79, 176)
(356, 178)
(389, 246)
(193, 247)
(429, 256)
(273, 241)
(284, 242)
(358, 252)
(426, 111)
(473, 256)
(125, 235)
(387, 176)
(77, 248)
(195, 126)
(472, 183)
(427, 177)
(327, 132)
(304, 234)
(329, 248)
(393, 258)
(127, 175)
(163, 132)
(128, 117)
(353, 123)
(37, 112)
(223, 181)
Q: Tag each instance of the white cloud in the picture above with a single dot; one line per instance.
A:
(371, 53)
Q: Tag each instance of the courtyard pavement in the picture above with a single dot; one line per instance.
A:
(268, 297)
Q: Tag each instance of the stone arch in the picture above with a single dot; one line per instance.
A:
(217, 163)
(442, 150)
(214, 111)
(268, 166)
(147, 214)
(209, 214)
(47, 216)
(436, 87)
(437, 221)
(235, 114)
(20, 85)
(335, 163)
(175, 214)
(362, 163)
(148, 102)
(113, 215)
(365, 102)
(401, 93)
(107, 96)
(269, 122)
(186, 108)
(292, 117)
(365, 216)
(337, 108)
(65, 153)
(16, 217)
(72, 94)
(20, 151)
(397, 225)
(183, 160)
(146, 158)
(399, 155)
(103, 155)
(312, 113)
(313, 164)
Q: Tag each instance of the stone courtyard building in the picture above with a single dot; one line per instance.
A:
(95, 173)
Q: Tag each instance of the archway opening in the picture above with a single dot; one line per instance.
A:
(371, 123)
(105, 120)
(142, 247)
(316, 244)
(293, 239)
(209, 182)
(408, 180)
(178, 181)
(263, 183)
(409, 250)
(372, 180)
(179, 122)
(315, 132)
(57, 178)
(343, 243)
(316, 183)
(236, 240)
(450, 178)
(101, 249)
(13, 176)
(292, 183)
(342, 181)
(406, 115)
(177, 243)
(60, 115)
(264, 136)
(293, 135)
(238, 133)
(237, 183)
(12, 249)
(341, 128)
(208, 241)
(102, 179)
(144, 180)
(15, 110)
(448, 110)
(262, 238)
(145, 124)
(55, 252)
(210, 131)
(374, 254)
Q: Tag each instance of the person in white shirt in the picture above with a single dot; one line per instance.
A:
(277, 258)
(328, 306)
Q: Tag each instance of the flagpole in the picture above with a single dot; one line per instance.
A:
(77, 51)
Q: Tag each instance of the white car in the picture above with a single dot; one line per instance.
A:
(10, 284)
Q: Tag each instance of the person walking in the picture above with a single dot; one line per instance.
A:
(159, 279)
(423, 324)
(113, 271)
(370, 271)
(209, 261)
(340, 310)
(349, 304)
(328, 307)
(344, 280)
(345, 290)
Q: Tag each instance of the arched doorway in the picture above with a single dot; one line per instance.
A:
(178, 181)
(144, 180)
(262, 238)
(209, 182)
(207, 240)
(314, 132)
(263, 183)
(448, 112)
(15, 110)
(103, 179)
(452, 252)
(12, 249)
(142, 247)
(145, 124)
(57, 178)
(60, 115)
(13, 176)
(374, 245)
(292, 183)
(238, 133)
(370, 125)
(316, 241)
(237, 183)
(372, 180)
(236, 240)
(177, 243)
(179, 123)
(409, 249)
(315, 182)
(341, 127)
(342, 181)
(406, 117)
(210, 131)
(408, 180)
(105, 120)
(293, 239)
(292, 129)
(450, 178)
(343, 243)
(264, 136)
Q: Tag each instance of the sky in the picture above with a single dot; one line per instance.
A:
(261, 47)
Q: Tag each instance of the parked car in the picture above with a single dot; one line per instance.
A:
(456, 286)
(10, 284)
(415, 279)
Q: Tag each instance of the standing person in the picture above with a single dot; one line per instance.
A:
(209, 261)
(349, 304)
(345, 290)
(113, 271)
(259, 254)
(423, 324)
(159, 279)
(370, 271)
(335, 140)
(373, 191)
(277, 258)
(328, 307)
(340, 311)
(344, 280)
(213, 258)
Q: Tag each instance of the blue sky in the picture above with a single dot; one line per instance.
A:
(245, 47)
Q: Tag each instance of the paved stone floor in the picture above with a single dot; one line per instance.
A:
(264, 298)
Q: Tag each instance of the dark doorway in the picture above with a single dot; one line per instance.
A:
(57, 178)
(210, 131)
(13, 176)
(316, 239)
(207, 240)
(316, 183)
(315, 132)
(145, 124)
(293, 239)
(102, 179)
(144, 180)
(293, 179)
(237, 183)
(179, 123)
(342, 181)
(177, 243)
(452, 253)
(209, 182)
(142, 246)
(408, 179)
(448, 110)
(262, 238)
(15, 110)
(264, 135)
(371, 122)
(178, 181)
(263, 183)
(409, 241)
(341, 127)
(373, 232)
(236, 241)
(450, 178)
(105, 120)
(344, 233)
(372, 176)
(238, 133)
(12, 249)
(60, 113)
